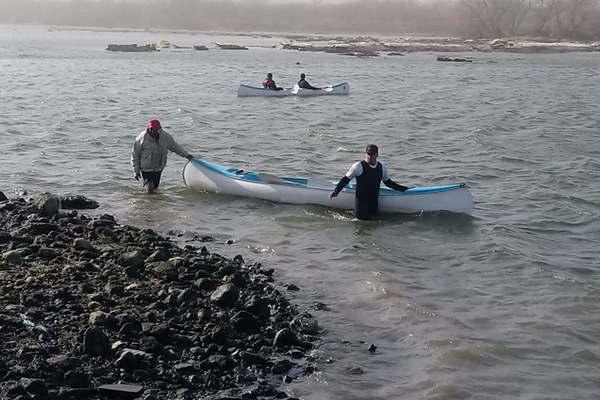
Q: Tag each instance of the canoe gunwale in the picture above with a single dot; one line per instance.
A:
(287, 181)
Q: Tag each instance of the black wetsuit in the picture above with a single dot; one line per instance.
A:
(305, 85)
(366, 200)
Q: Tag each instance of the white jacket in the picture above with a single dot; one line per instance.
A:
(149, 154)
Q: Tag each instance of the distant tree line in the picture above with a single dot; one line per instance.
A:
(565, 19)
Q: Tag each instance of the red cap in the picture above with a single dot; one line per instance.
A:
(154, 124)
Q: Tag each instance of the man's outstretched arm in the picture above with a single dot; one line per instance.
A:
(393, 185)
(338, 188)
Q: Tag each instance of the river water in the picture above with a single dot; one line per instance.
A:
(500, 305)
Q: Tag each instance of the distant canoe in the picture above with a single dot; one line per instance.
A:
(254, 91)
(340, 88)
(131, 47)
(200, 47)
(224, 46)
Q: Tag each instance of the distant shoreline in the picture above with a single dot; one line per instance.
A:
(375, 44)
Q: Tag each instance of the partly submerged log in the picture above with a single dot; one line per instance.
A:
(225, 46)
(453, 59)
(131, 47)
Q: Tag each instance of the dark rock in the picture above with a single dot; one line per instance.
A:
(185, 368)
(281, 367)
(133, 258)
(13, 256)
(164, 271)
(100, 318)
(95, 342)
(42, 228)
(114, 289)
(46, 252)
(35, 387)
(252, 358)
(47, 204)
(284, 338)
(120, 389)
(245, 322)
(236, 278)
(161, 254)
(372, 348)
(130, 329)
(3, 197)
(77, 202)
(292, 287)
(83, 244)
(225, 295)
(258, 306)
(77, 379)
(205, 284)
(131, 359)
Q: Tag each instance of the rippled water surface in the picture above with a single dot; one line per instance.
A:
(500, 305)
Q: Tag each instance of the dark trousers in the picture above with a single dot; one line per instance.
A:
(151, 177)
(366, 208)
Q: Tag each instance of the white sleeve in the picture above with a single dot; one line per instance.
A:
(384, 173)
(355, 170)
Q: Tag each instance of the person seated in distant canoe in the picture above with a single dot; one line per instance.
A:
(269, 83)
(303, 83)
(369, 174)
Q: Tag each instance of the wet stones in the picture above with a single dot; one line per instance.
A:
(87, 301)
(131, 359)
(133, 258)
(13, 256)
(35, 387)
(95, 342)
(225, 295)
(245, 322)
(100, 318)
(47, 204)
(284, 338)
(83, 244)
(77, 202)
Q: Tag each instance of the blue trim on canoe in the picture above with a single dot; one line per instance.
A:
(251, 176)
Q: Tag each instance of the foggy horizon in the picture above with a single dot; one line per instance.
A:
(561, 19)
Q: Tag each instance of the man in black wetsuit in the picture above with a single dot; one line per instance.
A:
(369, 174)
(303, 83)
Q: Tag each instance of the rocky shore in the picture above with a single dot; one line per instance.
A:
(91, 309)
(373, 46)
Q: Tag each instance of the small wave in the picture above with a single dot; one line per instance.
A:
(448, 392)
(467, 357)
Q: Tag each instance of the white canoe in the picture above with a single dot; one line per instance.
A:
(255, 91)
(340, 88)
(203, 175)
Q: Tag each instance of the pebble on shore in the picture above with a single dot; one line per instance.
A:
(90, 308)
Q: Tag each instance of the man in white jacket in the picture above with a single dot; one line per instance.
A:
(149, 154)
